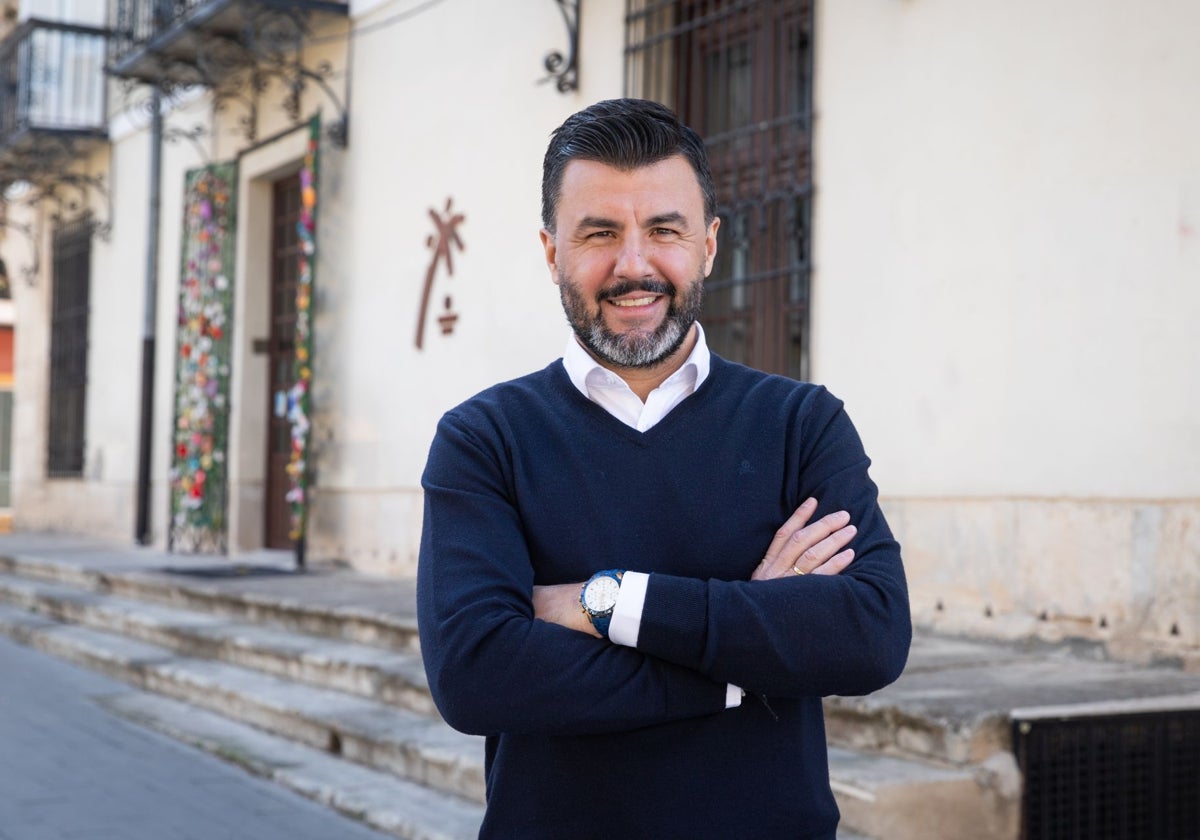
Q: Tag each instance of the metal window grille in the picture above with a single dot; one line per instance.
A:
(740, 72)
(1115, 777)
(69, 348)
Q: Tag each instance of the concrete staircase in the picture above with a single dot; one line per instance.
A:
(315, 681)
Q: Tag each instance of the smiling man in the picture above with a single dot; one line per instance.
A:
(637, 245)
(643, 566)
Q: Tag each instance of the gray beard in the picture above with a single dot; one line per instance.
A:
(639, 348)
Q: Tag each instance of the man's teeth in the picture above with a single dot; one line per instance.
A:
(643, 301)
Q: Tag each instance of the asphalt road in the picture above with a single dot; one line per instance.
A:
(69, 770)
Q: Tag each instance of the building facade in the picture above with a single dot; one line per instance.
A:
(294, 234)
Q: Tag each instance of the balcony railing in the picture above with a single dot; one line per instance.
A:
(182, 42)
(51, 80)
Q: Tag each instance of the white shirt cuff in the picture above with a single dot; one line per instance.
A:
(626, 621)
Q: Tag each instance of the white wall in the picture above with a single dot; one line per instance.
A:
(1006, 291)
(1009, 242)
(100, 501)
(430, 123)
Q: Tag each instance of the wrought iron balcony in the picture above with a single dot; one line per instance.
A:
(172, 43)
(52, 98)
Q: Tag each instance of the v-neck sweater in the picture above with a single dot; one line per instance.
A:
(530, 483)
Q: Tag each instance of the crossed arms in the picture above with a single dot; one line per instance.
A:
(799, 548)
(505, 656)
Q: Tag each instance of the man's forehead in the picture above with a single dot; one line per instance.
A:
(672, 166)
(670, 180)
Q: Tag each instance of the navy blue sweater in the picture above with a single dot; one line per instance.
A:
(531, 483)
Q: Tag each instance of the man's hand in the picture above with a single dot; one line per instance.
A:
(801, 548)
(559, 604)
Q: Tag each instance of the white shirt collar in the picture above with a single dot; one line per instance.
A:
(585, 371)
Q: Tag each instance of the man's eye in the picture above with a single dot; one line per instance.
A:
(665, 232)
(600, 234)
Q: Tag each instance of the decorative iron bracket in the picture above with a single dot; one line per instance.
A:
(68, 194)
(564, 69)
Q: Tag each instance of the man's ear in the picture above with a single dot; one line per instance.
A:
(710, 245)
(551, 254)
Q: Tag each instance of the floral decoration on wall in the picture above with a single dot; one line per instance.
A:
(300, 397)
(202, 362)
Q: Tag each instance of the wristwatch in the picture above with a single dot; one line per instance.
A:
(599, 596)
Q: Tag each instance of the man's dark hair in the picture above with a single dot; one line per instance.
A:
(627, 134)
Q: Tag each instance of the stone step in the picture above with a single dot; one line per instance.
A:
(907, 799)
(328, 603)
(876, 793)
(415, 747)
(396, 678)
(381, 800)
(117, 599)
(954, 701)
(378, 799)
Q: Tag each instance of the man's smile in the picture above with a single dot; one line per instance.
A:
(637, 301)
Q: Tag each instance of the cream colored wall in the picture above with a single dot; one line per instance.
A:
(430, 123)
(31, 305)
(1007, 247)
(99, 501)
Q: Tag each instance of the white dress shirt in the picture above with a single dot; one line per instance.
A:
(611, 393)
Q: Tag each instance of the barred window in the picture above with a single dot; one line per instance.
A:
(69, 348)
(740, 73)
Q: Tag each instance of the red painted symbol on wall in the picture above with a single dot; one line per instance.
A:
(443, 242)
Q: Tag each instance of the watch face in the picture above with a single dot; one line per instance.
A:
(601, 594)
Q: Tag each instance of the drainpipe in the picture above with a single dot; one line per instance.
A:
(146, 431)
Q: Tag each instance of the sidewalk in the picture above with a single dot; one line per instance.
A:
(74, 770)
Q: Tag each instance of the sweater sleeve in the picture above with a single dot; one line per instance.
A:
(492, 666)
(814, 635)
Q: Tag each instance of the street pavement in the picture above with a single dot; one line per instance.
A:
(70, 770)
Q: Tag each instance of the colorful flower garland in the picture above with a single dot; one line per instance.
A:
(200, 434)
(300, 396)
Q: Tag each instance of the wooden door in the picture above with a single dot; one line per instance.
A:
(285, 271)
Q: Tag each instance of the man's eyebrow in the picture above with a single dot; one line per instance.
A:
(596, 222)
(672, 218)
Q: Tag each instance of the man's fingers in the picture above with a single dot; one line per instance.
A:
(834, 565)
(794, 524)
(800, 546)
(773, 562)
(824, 550)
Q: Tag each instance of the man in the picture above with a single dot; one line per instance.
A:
(638, 571)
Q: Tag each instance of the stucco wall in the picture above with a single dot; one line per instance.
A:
(97, 502)
(473, 130)
(1008, 212)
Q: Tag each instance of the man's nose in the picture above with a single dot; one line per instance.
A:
(632, 262)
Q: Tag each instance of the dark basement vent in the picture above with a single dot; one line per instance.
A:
(1110, 777)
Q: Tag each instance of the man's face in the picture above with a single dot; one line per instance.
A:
(630, 255)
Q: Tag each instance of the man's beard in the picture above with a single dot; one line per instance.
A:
(636, 348)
